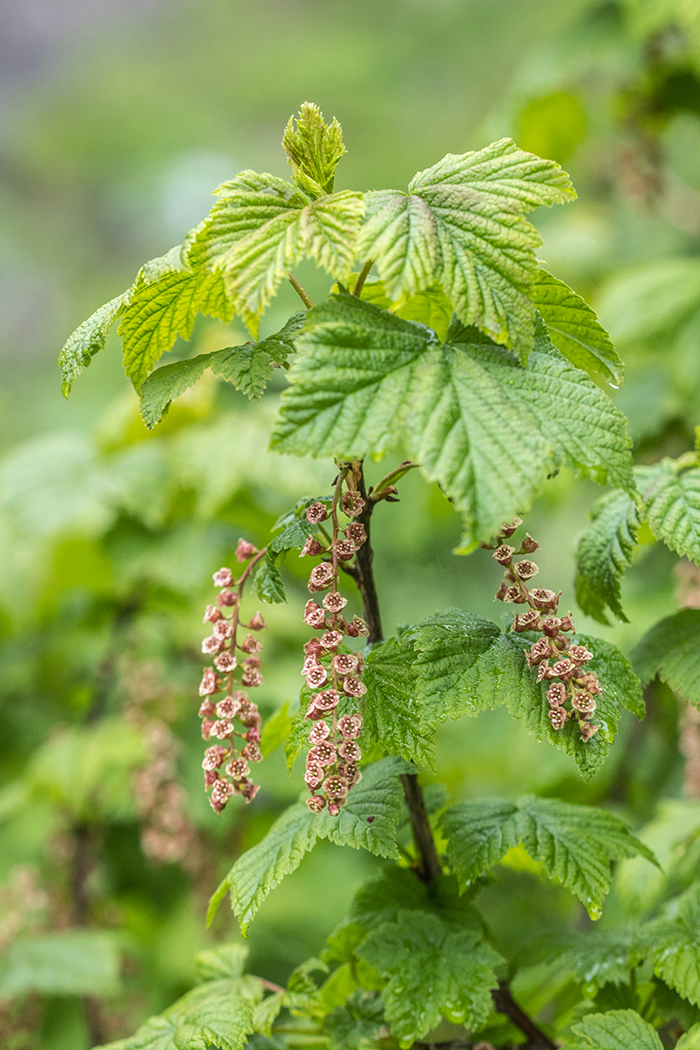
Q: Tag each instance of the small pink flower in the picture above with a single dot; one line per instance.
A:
(222, 729)
(350, 726)
(253, 735)
(356, 534)
(210, 778)
(558, 716)
(225, 662)
(314, 713)
(214, 757)
(245, 550)
(350, 751)
(250, 644)
(353, 686)
(335, 786)
(220, 794)
(238, 769)
(212, 644)
(313, 646)
(313, 777)
(327, 700)
(314, 616)
(580, 654)
(209, 684)
(207, 726)
(563, 669)
(544, 671)
(312, 547)
(252, 752)
(333, 809)
(321, 577)
(211, 614)
(551, 626)
(331, 639)
(249, 714)
(556, 694)
(345, 663)
(334, 602)
(223, 578)
(527, 621)
(587, 730)
(344, 550)
(525, 570)
(351, 503)
(567, 623)
(206, 708)
(223, 629)
(320, 732)
(513, 596)
(508, 530)
(251, 678)
(591, 684)
(543, 599)
(227, 598)
(316, 803)
(541, 650)
(316, 513)
(316, 676)
(257, 623)
(584, 703)
(228, 707)
(249, 791)
(351, 772)
(504, 554)
(323, 754)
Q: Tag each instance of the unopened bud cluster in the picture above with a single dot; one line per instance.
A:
(233, 720)
(336, 677)
(573, 689)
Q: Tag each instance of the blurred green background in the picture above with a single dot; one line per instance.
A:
(117, 120)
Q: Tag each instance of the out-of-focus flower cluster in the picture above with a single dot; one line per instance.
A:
(233, 719)
(167, 833)
(334, 675)
(573, 688)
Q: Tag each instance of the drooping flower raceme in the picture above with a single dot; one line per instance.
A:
(231, 721)
(573, 688)
(333, 674)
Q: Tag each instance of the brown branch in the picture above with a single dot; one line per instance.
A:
(430, 868)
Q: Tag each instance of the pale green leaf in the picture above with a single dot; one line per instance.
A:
(392, 714)
(464, 665)
(574, 844)
(489, 431)
(261, 868)
(461, 226)
(248, 367)
(163, 303)
(433, 971)
(672, 507)
(71, 962)
(268, 582)
(615, 1030)
(276, 729)
(88, 339)
(603, 553)
(313, 150)
(261, 225)
(356, 1023)
(219, 1012)
(674, 829)
(671, 945)
(227, 960)
(574, 328)
(599, 957)
(691, 1039)
(671, 650)
(651, 300)
(293, 536)
(264, 865)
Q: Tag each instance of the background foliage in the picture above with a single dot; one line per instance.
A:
(117, 126)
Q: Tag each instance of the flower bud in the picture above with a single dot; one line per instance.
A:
(245, 550)
(316, 513)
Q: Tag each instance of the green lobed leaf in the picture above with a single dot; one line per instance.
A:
(603, 553)
(672, 507)
(574, 844)
(248, 367)
(615, 1030)
(296, 831)
(218, 1012)
(461, 226)
(599, 957)
(163, 303)
(691, 1039)
(313, 150)
(671, 945)
(465, 665)
(392, 714)
(381, 899)
(262, 225)
(356, 1023)
(433, 970)
(88, 339)
(670, 835)
(574, 328)
(671, 650)
(292, 536)
(268, 582)
(489, 431)
(71, 962)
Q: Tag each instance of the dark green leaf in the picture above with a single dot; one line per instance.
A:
(671, 944)
(671, 650)
(604, 551)
(268, 582)
(393, 716)
(615, 1030)
(672, 507)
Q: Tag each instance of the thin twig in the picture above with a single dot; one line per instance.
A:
(300, 290)
(362, 277)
